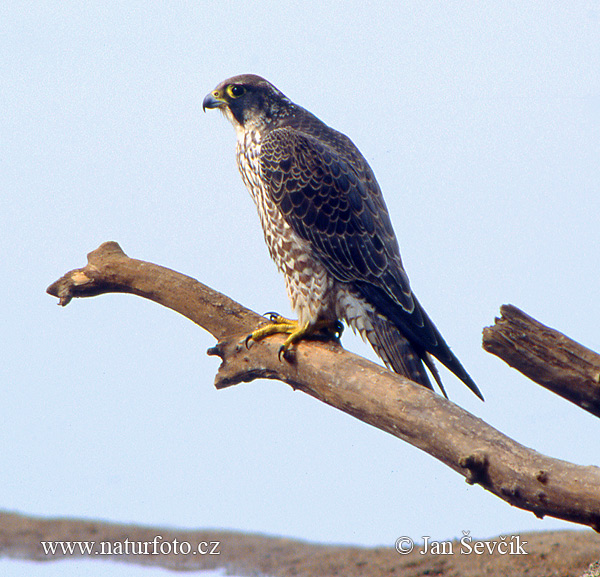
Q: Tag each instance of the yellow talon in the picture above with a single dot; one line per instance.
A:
(280, 325)
(277, 319)
(274, 328)
(300, 333)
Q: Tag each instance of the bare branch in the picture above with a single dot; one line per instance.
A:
(110, 270)
(483, 455)
(546, 356)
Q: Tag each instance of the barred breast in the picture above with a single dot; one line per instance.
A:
(309, 285)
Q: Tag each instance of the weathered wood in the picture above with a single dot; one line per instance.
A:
(471, 447)
(546, 356)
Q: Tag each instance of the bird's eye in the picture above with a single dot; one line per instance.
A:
(235, 90)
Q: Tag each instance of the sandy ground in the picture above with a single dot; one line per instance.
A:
(545, 554)
(561, 554)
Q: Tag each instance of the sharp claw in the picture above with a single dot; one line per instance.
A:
(287, 353)
(247, 341)
(272, 316)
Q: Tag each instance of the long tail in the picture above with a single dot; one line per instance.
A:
(399, 355)
(405, 339)
(405, 359)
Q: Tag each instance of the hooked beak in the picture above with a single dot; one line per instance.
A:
(213, 100)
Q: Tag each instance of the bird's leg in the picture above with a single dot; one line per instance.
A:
(322, 328)
(278, 325)
(276, 318)
(329, 329)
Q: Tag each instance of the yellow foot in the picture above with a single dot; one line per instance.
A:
(280, 325)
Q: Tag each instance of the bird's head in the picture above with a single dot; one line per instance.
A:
(249, 101)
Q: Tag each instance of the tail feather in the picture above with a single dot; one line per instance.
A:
(397, 352)
(400, 334)
(428, 360)
(407, 342)
(403, 358)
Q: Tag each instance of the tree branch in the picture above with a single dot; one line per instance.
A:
(371, 393)
(110, 270)
(546, 356)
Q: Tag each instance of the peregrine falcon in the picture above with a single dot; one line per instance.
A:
(328, 230)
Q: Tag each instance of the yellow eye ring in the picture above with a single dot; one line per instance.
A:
(236, 90)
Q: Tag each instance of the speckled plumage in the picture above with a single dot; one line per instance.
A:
(327, 227)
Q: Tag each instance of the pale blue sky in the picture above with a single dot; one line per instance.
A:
(482, 124)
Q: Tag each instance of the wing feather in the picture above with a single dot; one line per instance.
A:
(329, 196)
(339, 211)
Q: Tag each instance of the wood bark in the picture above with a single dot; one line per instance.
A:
(324, 370)
(547, 357)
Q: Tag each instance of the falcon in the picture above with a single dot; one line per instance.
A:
(328, 230)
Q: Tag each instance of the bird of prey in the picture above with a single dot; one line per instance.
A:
(328, 230)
